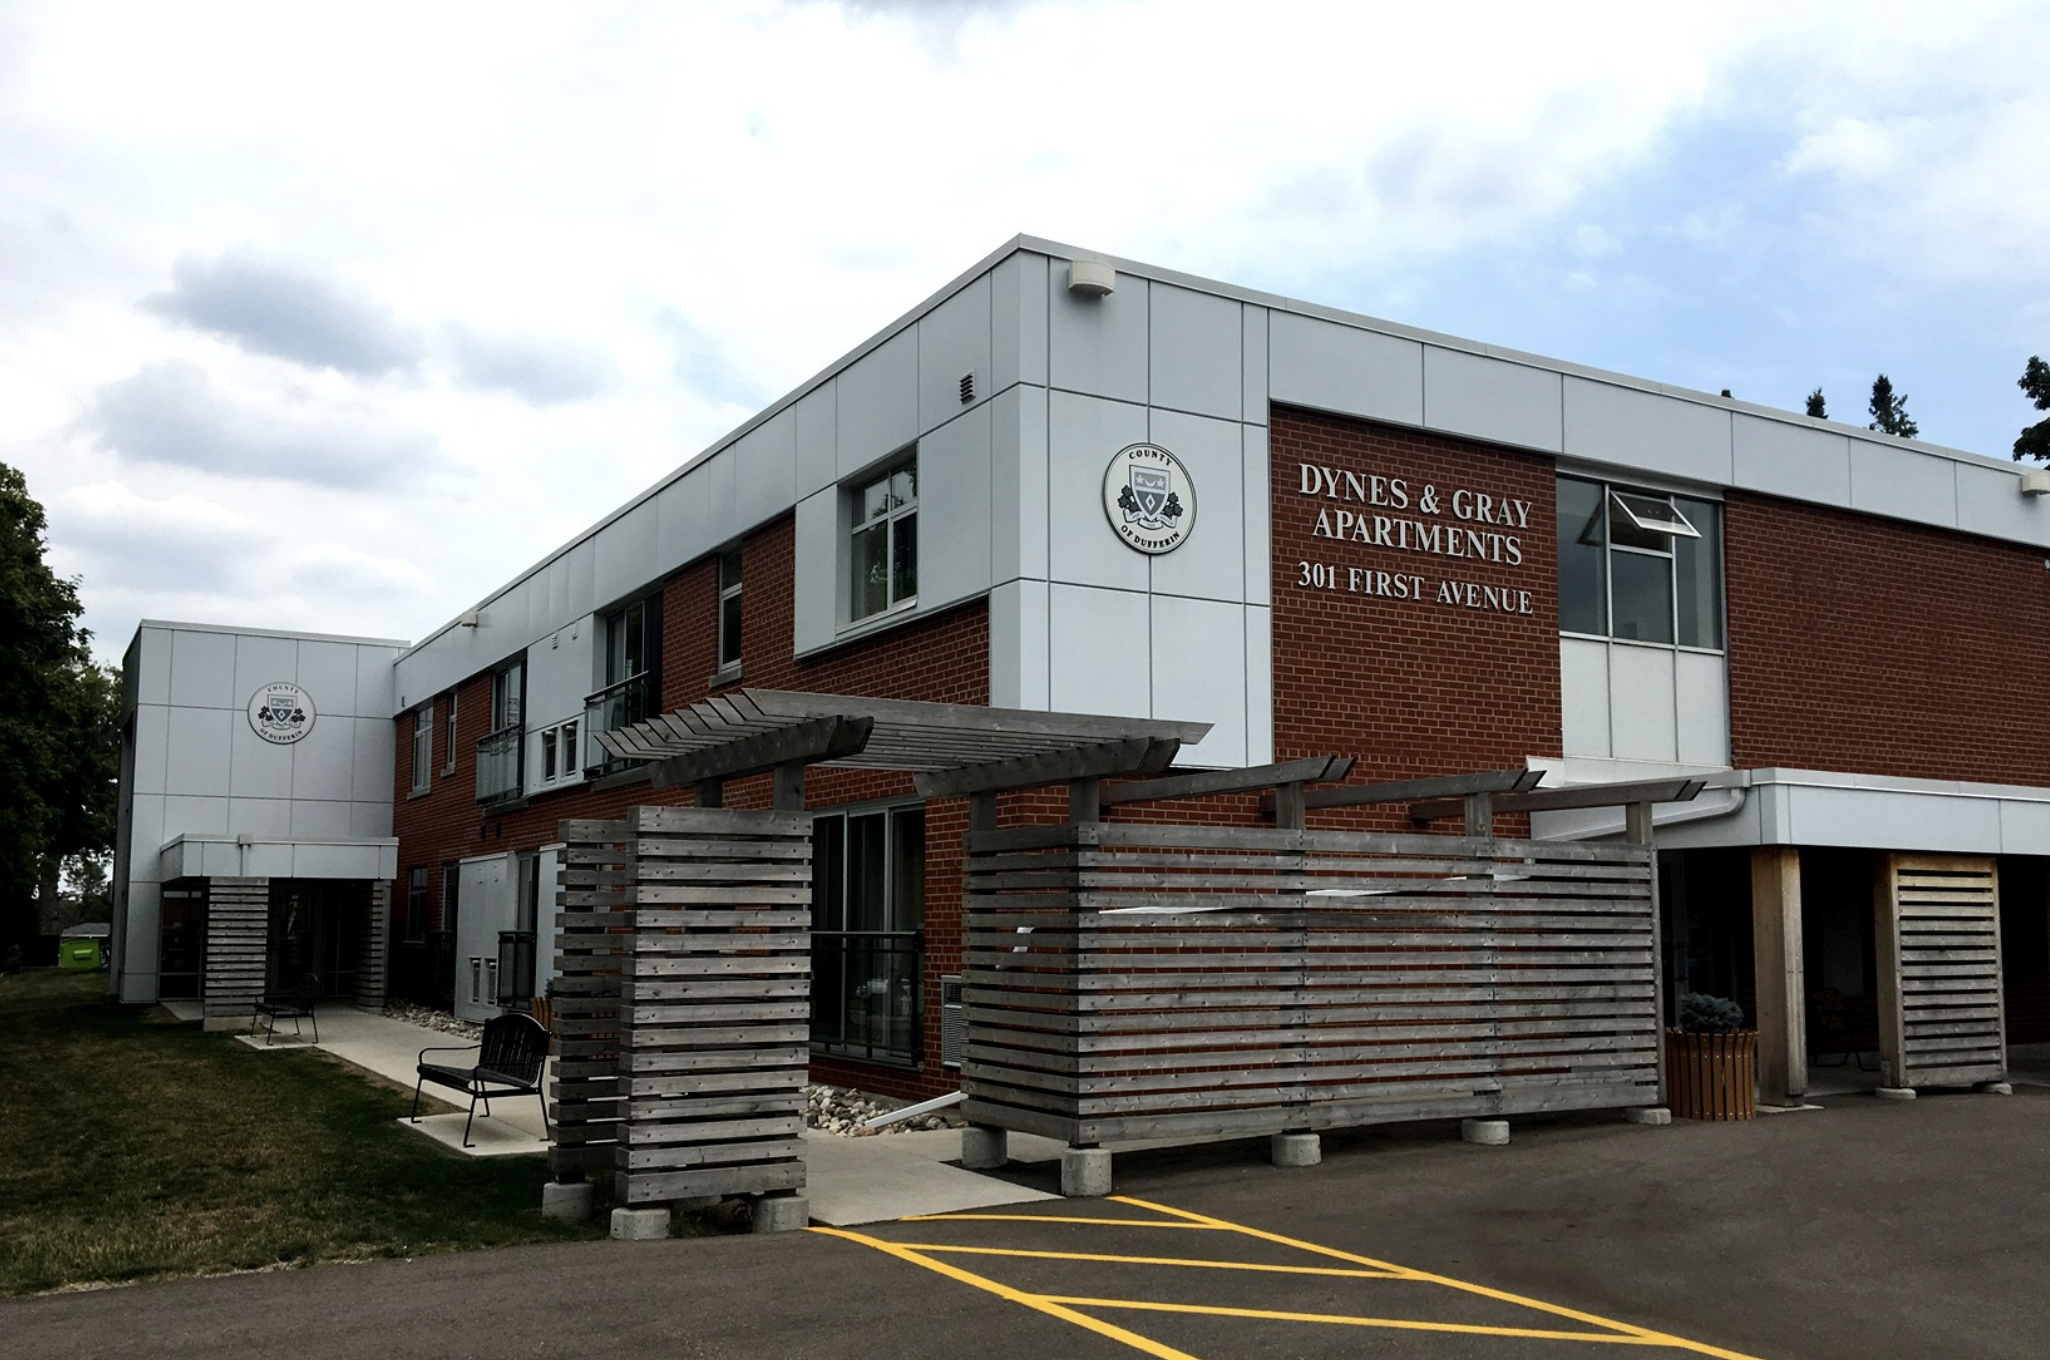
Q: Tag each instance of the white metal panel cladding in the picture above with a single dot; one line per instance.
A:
(1941, 1020)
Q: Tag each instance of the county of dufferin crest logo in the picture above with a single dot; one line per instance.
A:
(281, 713)
(1149, 498)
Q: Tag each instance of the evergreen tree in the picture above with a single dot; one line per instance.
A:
(1816, 406)
(1890, 412)
(58, 719)
(2034, 442)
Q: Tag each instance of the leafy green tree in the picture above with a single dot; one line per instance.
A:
(1817, 407)
(2034, 442)
(58, 719)
(1890, 412)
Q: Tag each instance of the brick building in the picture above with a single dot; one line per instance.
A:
(1384, 543)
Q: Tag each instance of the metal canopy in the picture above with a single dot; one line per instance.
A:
(748, 730)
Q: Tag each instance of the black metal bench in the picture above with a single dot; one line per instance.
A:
(510, 1062)
(294, 1004)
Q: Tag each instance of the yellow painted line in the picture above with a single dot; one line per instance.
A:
(1345, 1320)
(1503, 1296)
(1004, 1291)
(1051, 1218)
(944, 1250)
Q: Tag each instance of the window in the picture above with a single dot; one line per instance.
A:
(560, 762)
(729, 610)
(451, 895)
(1639, 566)
(868, 908)
(883, 552)
(501, 752)
(633, 675)
(423, 747)
(508, 696)
(449, 764)
(416, 903)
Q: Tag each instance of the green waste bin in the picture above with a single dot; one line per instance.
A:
(78, 954)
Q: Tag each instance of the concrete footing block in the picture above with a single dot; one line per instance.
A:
(1995, 1088)
(1649, 1114)
(782, 1213)
(570, 1200)
(1085, 1172)
(640, 1225)
(1486, 1132)
(1295, 1149)
(984, 1148)
(1895, 1093)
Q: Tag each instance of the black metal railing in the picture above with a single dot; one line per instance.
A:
(499, 757)
(515, 967)
(634, 699)
(868, 993)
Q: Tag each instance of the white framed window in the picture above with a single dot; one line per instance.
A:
(448, 764)
(423, 746)
(729, 610)
(561, 762)
(883, 542)
(1640, 566)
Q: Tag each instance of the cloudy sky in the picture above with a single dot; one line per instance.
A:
(335, 318)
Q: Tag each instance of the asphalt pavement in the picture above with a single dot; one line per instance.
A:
(1864, 1229)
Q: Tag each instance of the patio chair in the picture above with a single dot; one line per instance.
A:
(510, 1062)
(294, 1003)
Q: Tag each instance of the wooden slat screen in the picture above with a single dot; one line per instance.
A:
(594, 875)
(237, 937)
(1128, 981)
(1944, 937)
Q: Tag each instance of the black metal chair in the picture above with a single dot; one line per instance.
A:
(294, 1003)
(510, 1062)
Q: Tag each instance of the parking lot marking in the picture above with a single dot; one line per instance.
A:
(1069, 1307)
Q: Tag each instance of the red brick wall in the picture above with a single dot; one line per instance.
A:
(1411, 687)
(1865, 645)
(944, 659)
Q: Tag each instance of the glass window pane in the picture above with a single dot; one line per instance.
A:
(729, 630)
(904, 485)
(869, 570)
(1698, 574)
(1583, 593)
(867, 867)
(548, 754)
(1643, 596)
(1625, 529)
(828, 842)
(907, 869)
(904, 557)
(729, 570)
(875, 500)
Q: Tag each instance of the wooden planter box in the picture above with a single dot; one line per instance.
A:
(1712, 1076)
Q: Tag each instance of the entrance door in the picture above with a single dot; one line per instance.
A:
(486, 895)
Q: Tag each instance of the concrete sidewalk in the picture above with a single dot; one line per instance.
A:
(850, 1181)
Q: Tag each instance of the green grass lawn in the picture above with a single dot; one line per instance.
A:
(135, 1149)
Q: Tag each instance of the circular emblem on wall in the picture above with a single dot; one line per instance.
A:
(1149, 498)
(281, 713)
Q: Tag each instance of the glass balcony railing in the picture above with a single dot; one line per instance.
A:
(498, 764)
(632, 700)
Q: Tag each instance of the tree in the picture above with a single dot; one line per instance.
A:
(2034, 442)
(1890, 412)
(59, 715)
(1817, 407)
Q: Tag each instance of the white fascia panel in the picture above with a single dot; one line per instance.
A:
(1017, 542)
(261, 817)
(1642, 724)
(153, 665)
(1197, 352)
(260, 661)
(372, 762)
(878, 404)
(626, 557)
(1084, 433)
(1324, 366)
(1211, 563)
(327, 672)
(815, 605)
(194, 816)
(1199, 675)
(818, 440)
(152, 748)
(1018, 321)
(315, 820)
(1932, 823)
(1018, 645)
(1584, 697)
(1099, 658)
(202, 669)
(197, 750)
(1890, 479)
(954, 512)
(321, 760)
(1259, 685)
(1610, 423)
(376, 672)
(1493, 399)
(2024, 827)
(1258, 496)
(1796, 461)
(1253, 375)
(953, 340)
(1097, 346)
(1702, 701)
(765, 473)
(1989, 501)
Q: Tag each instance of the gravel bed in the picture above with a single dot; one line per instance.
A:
(433, 1019)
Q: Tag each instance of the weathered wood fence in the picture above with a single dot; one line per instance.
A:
(1128, 980)
(682, 1009)
(1940, 1016)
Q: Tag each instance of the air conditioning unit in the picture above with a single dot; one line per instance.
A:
(953, 1021)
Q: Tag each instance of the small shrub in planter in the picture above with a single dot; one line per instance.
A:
(1711, 1061)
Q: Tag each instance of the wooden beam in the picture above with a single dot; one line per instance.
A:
(1139, 755)
(819, 739)
(1776, 960)
(1196, 783)
(1453, 786)
(918, 714)
(1581, 796)
(788, 795)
